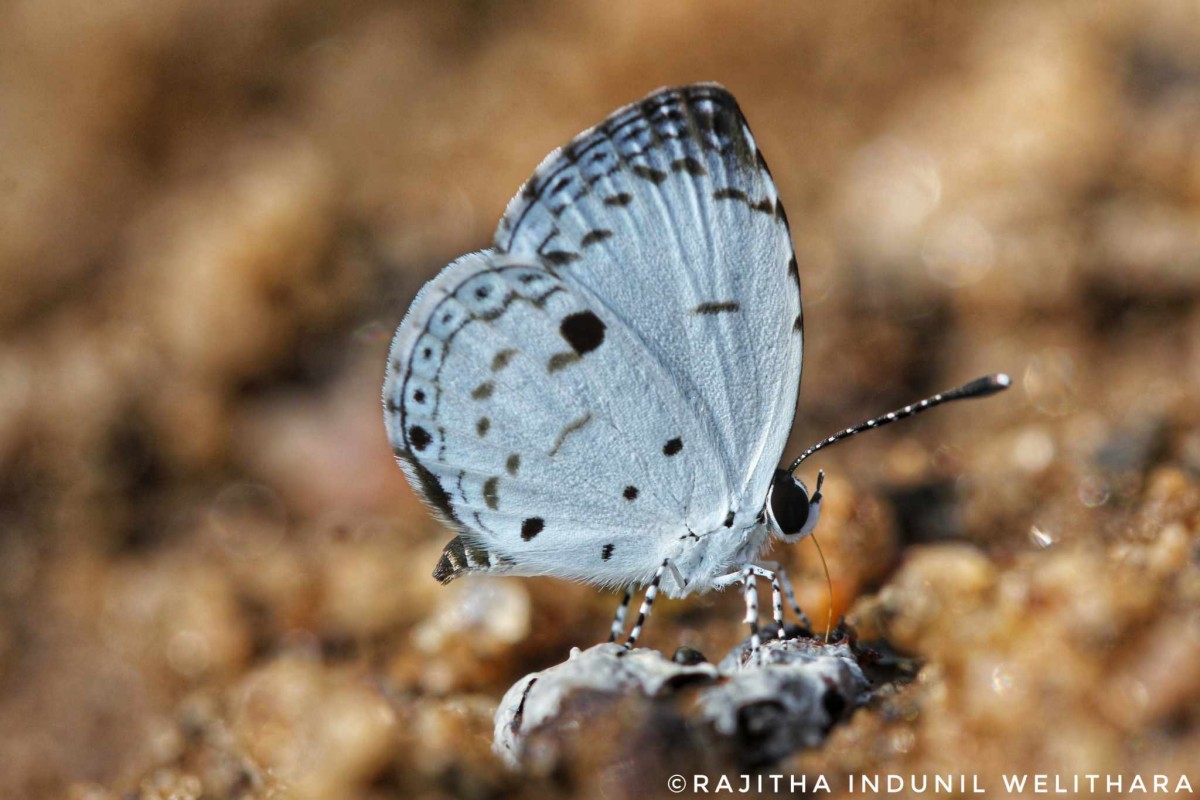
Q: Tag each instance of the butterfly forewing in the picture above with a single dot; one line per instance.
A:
(619, 373)
(667, 214)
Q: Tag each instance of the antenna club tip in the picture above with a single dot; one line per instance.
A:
(988, 384)
(980, 387)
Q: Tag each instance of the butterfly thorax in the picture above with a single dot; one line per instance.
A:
(701, 560)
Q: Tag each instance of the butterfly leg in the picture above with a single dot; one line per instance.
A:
(777, 606)
(785, 583)
(647, 604)
(776, 595)
(618, 623)
(790, 592)
(751, 595)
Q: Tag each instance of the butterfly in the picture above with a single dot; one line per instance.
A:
(605, 393)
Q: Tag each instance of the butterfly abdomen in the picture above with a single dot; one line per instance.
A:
(461, 556)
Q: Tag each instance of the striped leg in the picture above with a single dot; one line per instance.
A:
(777, 605)
(751, 594)
(647, 604)
(618, 623)
(791, 598)
(751, 571)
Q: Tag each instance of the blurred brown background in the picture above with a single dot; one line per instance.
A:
(215, 582)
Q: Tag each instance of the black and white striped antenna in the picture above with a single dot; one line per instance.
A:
(980, 387)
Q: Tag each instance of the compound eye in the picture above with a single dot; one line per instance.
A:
(789, 504)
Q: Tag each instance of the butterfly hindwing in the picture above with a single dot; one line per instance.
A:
(514, 407)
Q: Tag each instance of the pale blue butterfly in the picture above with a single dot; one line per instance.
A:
(605, 393)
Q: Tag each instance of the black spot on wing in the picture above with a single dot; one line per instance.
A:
(419, 438)
(561, 258)
(716, 307)
(561, 361)
(583, 330)
(764, 206)
(630, 493)
(730, 193)
(689, 165)
(513, 464)
(729, 519)
(482, 426)
(619, 199)
(483, 391)
(606, 552)
(673, 446)
(502, 359)
(593, 236)
(655, 176)
(532, 527)
(491, 493)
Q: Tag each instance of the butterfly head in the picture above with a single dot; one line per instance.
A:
(791, 511)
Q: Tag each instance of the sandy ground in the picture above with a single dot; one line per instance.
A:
(214, 582)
